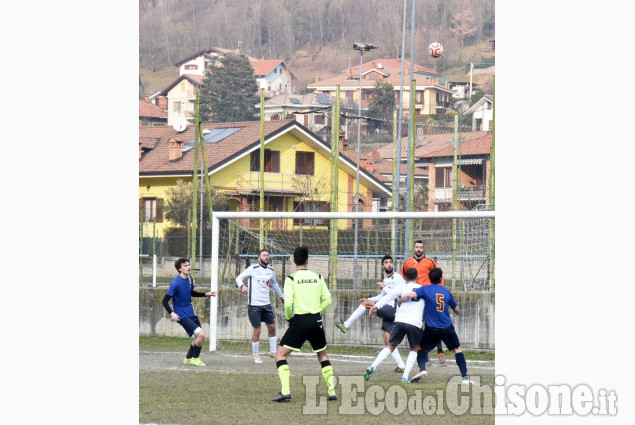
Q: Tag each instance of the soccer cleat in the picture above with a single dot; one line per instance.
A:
(419, 376)
(340, 325)
(368, 373)
(187, 361)
(399, 369)
(257, 359)
(196, 361)
(281, 398)
(332, 397)
(466, 381)
(272, 355)
(405, 380)
(441, 358)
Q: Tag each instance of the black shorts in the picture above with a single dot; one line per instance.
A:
(432, 336)
(387, 313)
(190, 324)
(260, 313)
(305, 327)
(400, 329)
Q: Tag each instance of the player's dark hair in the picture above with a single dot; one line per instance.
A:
(178, 263)
(435, 276)
(411, 274)
(385, 257)
(300, 255)
(260, 252)
(418, 241)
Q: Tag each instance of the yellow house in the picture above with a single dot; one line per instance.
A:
(297, 175)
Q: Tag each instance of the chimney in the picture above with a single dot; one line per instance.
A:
(147, 99)
(176, 151)
(163, 102)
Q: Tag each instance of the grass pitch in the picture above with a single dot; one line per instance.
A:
(231, 389)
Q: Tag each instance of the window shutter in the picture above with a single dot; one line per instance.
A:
(159, 210)
(275, 161)
(310, 159)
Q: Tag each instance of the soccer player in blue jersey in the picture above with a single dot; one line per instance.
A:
(260, 278)
(438, 301)
(181, 291)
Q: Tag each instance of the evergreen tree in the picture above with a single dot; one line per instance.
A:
(381, 104)
(229, 92)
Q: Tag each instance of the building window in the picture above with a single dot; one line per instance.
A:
(443, 177)
(177, 106)
(304, 163)
(151, 209)
(272, 161)
(191, 66)
(318, 118)
(311, 206)
(275, 70)
(374, 76)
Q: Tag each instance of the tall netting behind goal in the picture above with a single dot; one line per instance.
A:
(462, 244)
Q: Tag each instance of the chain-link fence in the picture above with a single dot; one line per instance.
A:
(319, 155)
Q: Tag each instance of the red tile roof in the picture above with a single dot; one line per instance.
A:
(394, 78)
(150, 110)
(264, 67)
(156, 161)
(388, 65)
(477, 146)
(425, 144)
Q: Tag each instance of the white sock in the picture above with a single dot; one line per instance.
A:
(356, 315)
(255, 348)
(395, 355)
(272, 344)
(383, 355)
(410, 362)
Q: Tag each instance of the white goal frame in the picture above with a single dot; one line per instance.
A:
(216, 216)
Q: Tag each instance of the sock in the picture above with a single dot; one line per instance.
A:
(460, 362)
(383, 355)
(422, 358)
(283, 373)
(395, 355)
(196, 351)
(356, 315)
(410, 362)
(327, 373)
(189, 352)
(255, 348)
(272, 344)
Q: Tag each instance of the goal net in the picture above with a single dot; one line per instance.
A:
(346, 249)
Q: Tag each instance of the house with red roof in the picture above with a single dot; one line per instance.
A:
(431, 95)
(297, 170)
(473, 170)
(181, 97)
(151, 114)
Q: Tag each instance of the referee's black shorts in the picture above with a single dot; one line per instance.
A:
(305, 327)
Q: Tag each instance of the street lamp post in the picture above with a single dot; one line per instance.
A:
(361, 47)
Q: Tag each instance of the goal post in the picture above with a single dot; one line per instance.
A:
(461, 242)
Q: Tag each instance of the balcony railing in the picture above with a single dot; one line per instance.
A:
(293, 184)
(465, 194)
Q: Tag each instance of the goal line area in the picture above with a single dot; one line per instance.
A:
(346, 249)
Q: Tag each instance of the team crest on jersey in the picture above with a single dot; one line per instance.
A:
(267, 283)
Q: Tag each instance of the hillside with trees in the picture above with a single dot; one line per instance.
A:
(314, 37)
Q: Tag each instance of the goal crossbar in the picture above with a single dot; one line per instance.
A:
(216, 216)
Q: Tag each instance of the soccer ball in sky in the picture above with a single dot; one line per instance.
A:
(435, 49)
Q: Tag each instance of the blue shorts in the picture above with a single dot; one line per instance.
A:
(400, 329)
(260, 313)
(190, 324)
(432, 336)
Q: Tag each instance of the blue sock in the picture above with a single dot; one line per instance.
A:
(460, 362)
(422, 358)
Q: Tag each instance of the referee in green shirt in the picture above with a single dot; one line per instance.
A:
(306, 297)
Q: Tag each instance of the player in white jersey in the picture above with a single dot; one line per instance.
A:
(387, 312)
(261, 277)
(408, 321)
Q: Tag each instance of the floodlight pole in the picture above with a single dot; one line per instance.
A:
(361, 47)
